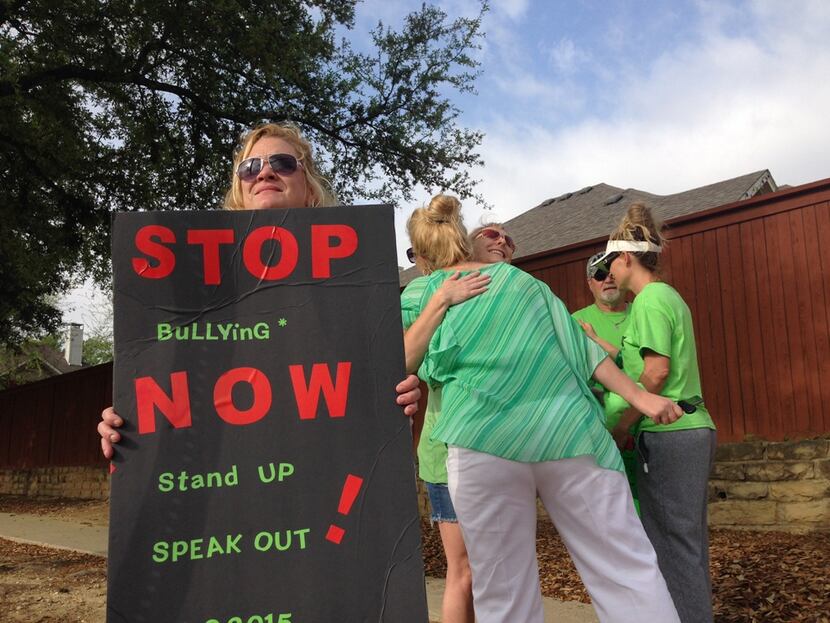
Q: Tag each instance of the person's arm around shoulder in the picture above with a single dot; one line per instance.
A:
(454, 290)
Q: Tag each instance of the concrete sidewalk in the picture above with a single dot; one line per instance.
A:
(555, 611)
(79, 536)
(89, 538)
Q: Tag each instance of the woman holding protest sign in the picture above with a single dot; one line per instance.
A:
(486, 244)
(519, 417)
(658, 350)
(272, 168)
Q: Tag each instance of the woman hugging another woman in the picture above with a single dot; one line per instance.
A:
(487, 244)
(518, 417)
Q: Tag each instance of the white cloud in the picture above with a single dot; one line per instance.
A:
(524, 85)
(565, 56)
(721, 107)
(736, 99)
(744, 89)
(514, 9)
(518, 69)
(88, 305)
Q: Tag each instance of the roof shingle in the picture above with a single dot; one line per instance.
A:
(594, 211)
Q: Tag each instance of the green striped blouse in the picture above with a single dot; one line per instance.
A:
(513, 367)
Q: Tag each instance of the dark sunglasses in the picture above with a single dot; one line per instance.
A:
(493, 234)
(410, 255)
(600, 275)
(284, 164)
(606, 263)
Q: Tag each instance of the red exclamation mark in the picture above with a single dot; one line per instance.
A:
(347, 498)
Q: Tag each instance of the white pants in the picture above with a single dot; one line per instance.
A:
(592, 509)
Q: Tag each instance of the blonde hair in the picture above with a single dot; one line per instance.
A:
(639, 224)
(320, 192)
(438, 234)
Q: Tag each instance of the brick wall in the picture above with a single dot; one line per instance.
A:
(755, 485)
(759, 485)
(85, 483)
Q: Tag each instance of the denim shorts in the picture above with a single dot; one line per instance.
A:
(439, 500)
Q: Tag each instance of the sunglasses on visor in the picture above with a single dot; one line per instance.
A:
(284, 164)
(494, 234)
(606, 264)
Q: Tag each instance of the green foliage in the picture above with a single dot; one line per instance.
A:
(97, 349)
(136, 105)
(30, 361)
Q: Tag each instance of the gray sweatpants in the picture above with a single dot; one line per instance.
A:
(673, 495)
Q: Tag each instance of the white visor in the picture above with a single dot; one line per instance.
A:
(633, 246)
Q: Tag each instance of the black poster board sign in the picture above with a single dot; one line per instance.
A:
(265, 472)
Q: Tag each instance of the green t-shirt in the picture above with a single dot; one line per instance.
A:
(660, 321)
(432, 453)
(512, 365)
(610, 326)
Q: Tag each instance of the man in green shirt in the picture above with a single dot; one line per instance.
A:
(604, 322)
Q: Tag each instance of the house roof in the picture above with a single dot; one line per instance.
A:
(36, 362)
(594, 211)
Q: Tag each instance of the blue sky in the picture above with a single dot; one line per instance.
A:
(660, 96)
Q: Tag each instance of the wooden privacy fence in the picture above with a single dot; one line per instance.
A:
(752, 272)
(757, 280)
(52, 422)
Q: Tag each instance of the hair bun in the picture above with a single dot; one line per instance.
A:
(444, 209)
(640, 224)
